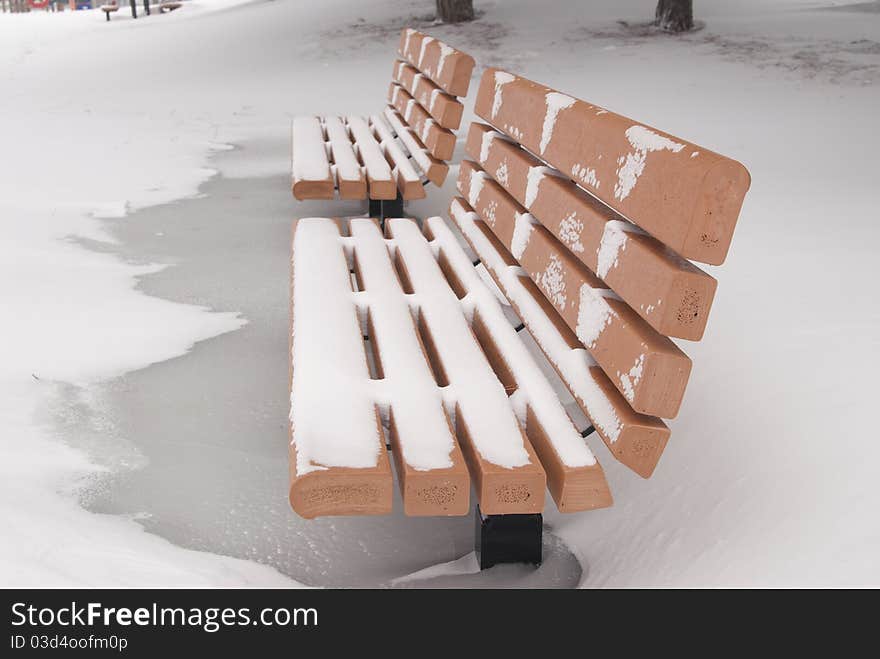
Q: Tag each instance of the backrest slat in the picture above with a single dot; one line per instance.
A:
(445, 108)
(422, 106)
(586, 220)
(685, 195)
(438, 140)
(449, 68)
(670, 293)
(648, 369)
(636, 440)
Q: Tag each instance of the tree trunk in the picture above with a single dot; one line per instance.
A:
(455, 11)
(675, 15)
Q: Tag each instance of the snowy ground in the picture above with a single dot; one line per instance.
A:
(768, 477)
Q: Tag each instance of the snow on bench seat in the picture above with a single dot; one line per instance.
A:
(670, 293)
(460, 397)
(312, 177)
(574, 477)
(350, 179)
(379, 175)
(408, 177)
(636, 440)
(684, 195)
(338, 463)
(646, 366)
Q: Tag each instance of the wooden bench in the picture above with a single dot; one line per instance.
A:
(583, 221)
(109, 8)
(388, 156)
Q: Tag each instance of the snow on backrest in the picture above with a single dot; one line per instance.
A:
(425, 83)
(601, 213)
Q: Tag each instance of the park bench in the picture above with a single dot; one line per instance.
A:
(388, 157)
(113, 6)
(109, 8)
(586, 223)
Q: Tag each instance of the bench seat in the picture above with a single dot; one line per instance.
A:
(397, 340)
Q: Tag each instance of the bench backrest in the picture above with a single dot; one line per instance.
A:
(587, 219)
(423, 105)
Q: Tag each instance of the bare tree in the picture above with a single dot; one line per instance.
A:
(675, 15)
(455, 11)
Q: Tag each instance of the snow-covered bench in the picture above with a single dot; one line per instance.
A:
(390, 155)
(109, 8)
(397, 338)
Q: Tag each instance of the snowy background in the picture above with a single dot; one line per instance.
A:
(145, 215)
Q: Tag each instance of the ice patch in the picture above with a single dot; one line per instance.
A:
(556, 102)
(586, 175)
(445, 51)
(631, 166)
(594, 314)
(409, 33)
(501, 79)
(501, 174)
(485, 145)
(522, 231)
(533, 180)
(570, 233)
(629, 381)
(425, 41)
(552, 281)
(612, 244)
(475, 187)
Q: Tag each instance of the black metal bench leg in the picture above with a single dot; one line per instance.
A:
(508, 539)
(147, 7)
(385, 208)
(134, 9)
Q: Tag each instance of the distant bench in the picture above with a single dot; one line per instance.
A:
(397, 339)
(113, 6)
(389, 156)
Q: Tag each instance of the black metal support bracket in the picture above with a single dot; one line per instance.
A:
(508, 539)
(385, 208)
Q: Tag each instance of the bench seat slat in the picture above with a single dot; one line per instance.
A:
(646, 366)
(434, 169)
(444, 108)
(451, 69)
(382, 183)
(312, 177)
(439, 141)
(636, 440)
(685, 195)
(350, 180)
(670, 293)
(574, 477)
(507, 474)
(420, 430)
(409, 181)
(338, 463)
